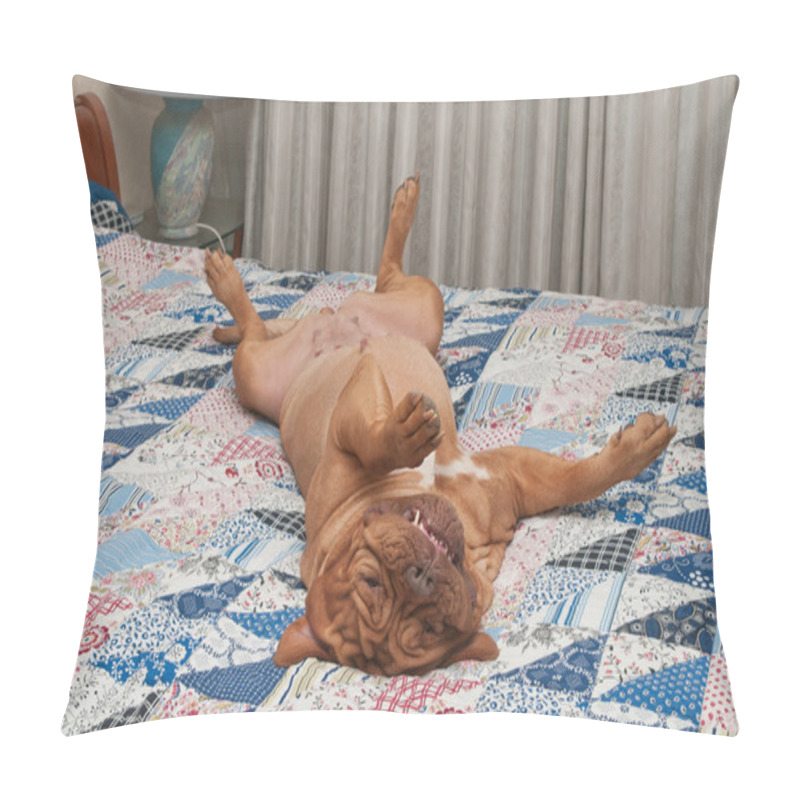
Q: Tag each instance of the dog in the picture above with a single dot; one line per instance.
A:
(406, 531)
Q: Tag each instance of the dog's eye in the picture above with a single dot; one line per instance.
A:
(372, 583)
(432, 625)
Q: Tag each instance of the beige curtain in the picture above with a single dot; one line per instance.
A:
(615, 196)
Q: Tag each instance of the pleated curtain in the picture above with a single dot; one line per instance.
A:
(614, 196)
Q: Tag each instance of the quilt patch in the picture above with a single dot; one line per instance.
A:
(604, 610)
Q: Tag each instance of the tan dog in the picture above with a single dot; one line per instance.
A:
(405, 530)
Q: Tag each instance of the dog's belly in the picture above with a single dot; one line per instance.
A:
(309, 403)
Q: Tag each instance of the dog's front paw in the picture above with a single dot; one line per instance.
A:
(632, 449)
(414, 430)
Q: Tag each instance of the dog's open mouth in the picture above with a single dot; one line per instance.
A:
(435, 518)
(438, 521)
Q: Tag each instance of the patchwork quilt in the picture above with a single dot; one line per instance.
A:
(604, 610)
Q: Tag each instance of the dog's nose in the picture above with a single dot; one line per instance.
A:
(419, 580)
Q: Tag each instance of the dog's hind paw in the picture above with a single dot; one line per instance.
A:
(404, 205)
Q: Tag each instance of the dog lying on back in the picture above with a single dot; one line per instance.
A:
(405, 530)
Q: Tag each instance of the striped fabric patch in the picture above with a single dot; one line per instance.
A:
(593, 608)
(259, 554)
(115, 496)
(490, 396)
(697, 522)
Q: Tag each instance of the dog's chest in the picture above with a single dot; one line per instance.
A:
(462, 467)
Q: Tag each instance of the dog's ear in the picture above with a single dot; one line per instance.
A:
(481, 647)
(298, 642)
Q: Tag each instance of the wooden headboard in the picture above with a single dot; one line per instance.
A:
(96, 141)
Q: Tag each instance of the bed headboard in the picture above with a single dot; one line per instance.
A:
(96, 141)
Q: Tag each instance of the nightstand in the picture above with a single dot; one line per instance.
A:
(226, 216)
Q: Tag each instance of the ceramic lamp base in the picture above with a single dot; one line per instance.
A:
(181, 147)
(178, 233)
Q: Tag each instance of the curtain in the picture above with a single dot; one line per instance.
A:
(615, 196)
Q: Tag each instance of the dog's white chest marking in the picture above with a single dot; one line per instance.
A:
(429, 470)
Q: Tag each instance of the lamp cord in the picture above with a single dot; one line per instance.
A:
(215, 232)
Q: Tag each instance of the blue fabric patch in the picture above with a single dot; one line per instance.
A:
(127, 550)
(545, 439)
(673, 357)
(698, 441)
(207, 600)
(168, 277)
(467, 371)
(116, 399)
(696, 569)
(692, 624)
(263, 429)
(111, 458)
(678, 333)
(98, 192)
(694, 480)
(498, 319)
(593, 320)
(280, 301)
(201, 377)
(102, 239)
(573, 669)
(158, 668)
(133, 435)
(115, 496)
(268, 626)
(248, 683)
(674, 691)
(489, 340)
(627, 507)
(171, 408)
(697, 522)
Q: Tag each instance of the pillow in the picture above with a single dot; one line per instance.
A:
(572, 243)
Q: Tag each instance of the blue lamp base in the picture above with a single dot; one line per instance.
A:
(181, 150)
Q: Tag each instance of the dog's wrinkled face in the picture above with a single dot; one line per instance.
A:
(394, 597)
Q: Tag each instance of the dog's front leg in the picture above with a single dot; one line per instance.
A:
(383, 436)
(539, 481)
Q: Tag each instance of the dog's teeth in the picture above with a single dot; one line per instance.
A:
(441, 547)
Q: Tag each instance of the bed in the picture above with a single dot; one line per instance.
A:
(602, 611)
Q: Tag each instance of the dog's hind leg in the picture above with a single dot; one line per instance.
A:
(409, 304)
(266, 360)
(227, 285)
(228, 288)
(401, 218)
